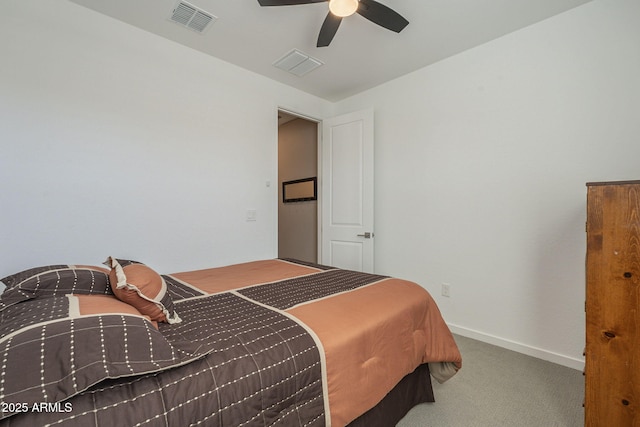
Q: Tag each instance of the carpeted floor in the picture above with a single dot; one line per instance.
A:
(498, 387)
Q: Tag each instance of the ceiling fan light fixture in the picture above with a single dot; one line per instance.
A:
(343, 8)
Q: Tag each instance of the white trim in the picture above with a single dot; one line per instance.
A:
(293, 112)
(560, 359)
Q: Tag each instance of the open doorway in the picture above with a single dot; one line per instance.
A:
(297, 160)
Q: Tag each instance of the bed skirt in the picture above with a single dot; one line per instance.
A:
(413, 389)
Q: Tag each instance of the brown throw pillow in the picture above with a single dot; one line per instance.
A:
(140, 286)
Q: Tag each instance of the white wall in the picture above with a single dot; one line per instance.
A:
(114, 141)
(481, 165)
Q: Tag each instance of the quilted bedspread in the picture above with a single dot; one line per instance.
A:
(274, 342)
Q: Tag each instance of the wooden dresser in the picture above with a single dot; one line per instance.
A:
(612, 354)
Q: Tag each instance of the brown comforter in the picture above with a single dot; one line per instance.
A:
(272, 342)
(373, 330)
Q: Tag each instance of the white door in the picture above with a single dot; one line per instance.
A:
(347, 191)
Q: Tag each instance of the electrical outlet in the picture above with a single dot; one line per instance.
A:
(446, 290)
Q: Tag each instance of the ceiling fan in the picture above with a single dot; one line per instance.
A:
(338, 9)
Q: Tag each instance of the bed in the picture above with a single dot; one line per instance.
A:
(271, 342)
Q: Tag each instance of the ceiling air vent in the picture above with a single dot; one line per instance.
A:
(298, 63)
(191, 17)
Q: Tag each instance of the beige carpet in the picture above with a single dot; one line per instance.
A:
(498, 387)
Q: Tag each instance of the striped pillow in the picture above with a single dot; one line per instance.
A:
(86, 305)
(54, 280)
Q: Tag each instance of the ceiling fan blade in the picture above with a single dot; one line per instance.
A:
(382, 15)
(287, 2)
(328, 30)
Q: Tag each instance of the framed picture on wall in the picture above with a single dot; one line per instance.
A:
(300, 190)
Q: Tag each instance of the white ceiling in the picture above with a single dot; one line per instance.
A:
(362, 54)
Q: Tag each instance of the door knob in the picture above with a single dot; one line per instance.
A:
(366, 235)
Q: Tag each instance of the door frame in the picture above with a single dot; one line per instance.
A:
(318, 123)
(320, 178)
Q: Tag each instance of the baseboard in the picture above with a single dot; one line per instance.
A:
(539, 353)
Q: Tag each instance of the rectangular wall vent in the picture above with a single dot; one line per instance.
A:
(191, 17)
(297, 63)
